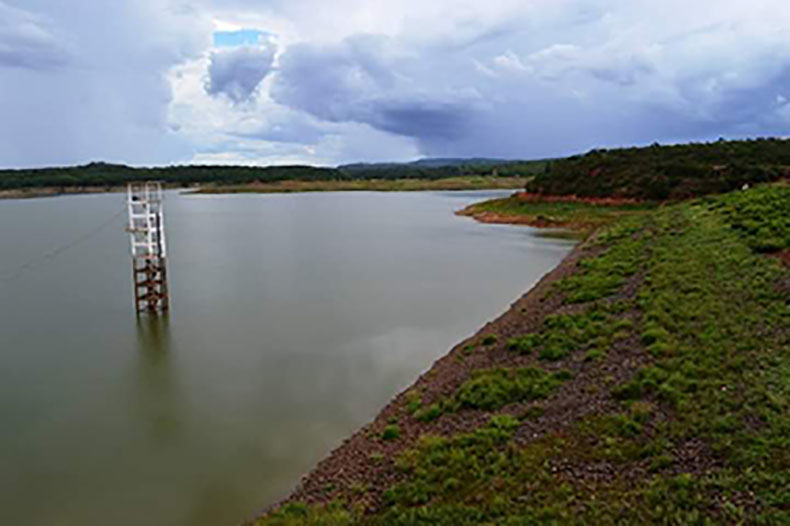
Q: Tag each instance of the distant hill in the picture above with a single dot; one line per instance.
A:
(474, 161)
(100, 174)
(444, 167)
(108, 175)
(430, 163)
(666, 172)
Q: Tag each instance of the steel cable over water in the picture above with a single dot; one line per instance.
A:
(35, 262)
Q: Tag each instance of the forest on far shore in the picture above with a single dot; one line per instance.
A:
(656, 172)
(111, 175)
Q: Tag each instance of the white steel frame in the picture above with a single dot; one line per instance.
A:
(146, 220)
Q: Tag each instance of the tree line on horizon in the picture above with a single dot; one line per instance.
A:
(656, 172)
(109, 175)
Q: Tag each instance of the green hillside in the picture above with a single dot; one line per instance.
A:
(666, 172)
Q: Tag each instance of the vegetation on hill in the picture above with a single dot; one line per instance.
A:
(666, 172)
(580, 216)
(441, 168)
(112, 175)
(107, 175)
(371, 185)
(648, 384)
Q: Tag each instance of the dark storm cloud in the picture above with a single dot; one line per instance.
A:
(237, 72)
(761, 108)
(334, 82)
(421, 118)
(362, 80)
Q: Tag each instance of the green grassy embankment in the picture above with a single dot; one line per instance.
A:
(651, 387)
(580, 216)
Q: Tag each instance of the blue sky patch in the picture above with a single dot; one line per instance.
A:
(243, 37)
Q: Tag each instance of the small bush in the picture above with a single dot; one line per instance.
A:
(624, 324)
(429, 413)
(628, 391)
(659, 349)
(621, 335)
(641, 411)
(593, 354)
(563, 334)
(391, 432)
(413, 401)
(535, 411)
(554, 351)
(653, 335)
(300, 514)
(490, 339)
(661, 462)
(503, 422)
(524, 344)
(498, 387)
(626, 426)
(563, 375)
(451, 484)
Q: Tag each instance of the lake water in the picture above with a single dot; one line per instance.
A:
(294, 319)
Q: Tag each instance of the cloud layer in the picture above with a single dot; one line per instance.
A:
(26, 41)
(165, 81)
(89, 80)
(237, 72)
(555, 80)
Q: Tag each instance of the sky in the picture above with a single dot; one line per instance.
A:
(159, 82)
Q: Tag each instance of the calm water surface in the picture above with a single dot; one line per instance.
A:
(294, 319)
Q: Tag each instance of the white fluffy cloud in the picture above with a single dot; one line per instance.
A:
(366, 80)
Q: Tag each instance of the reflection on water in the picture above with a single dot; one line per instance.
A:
(158, 390)
(295, 319)
(153, 337)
